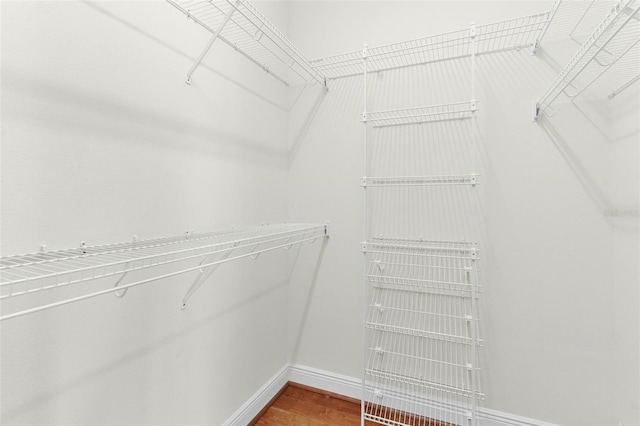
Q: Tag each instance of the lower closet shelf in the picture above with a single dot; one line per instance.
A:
(22, 275)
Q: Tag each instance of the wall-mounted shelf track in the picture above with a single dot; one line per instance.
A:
(613, 47)
(511, 34)
(24, 275)
(242, 26)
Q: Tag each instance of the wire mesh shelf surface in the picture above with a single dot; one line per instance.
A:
(392, 406)
(35, 272)
(616, 37)
(243, 27)
(418, 115)
(499, 36)
(448, 319)
(414, 266)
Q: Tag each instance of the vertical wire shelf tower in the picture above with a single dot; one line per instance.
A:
(421, 319)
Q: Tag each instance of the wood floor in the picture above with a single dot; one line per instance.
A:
(299, 405)
(302, 406)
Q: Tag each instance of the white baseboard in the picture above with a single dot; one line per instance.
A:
(330, 382)
(347, 386)
(260, 399)
(499, 418)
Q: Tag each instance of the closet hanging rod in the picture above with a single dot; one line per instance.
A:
(25, 274)
(242, 26)
(609, 28)
(500, 36)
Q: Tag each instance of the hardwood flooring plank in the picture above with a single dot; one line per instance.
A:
(302, 406)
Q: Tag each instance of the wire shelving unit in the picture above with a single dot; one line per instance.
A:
(421, 363)
(48, 271)
(613, 47)
(242, 26)
(524, 32)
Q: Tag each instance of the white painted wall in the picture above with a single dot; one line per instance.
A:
(560, 306)
(103, 140)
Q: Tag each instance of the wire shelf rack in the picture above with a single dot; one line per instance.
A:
(616, 37)
(243, 27)
(422, 330)
(420, 356)
(471, 179)
(25, 274)
(419, 115)
(390, 403)
(500, 36)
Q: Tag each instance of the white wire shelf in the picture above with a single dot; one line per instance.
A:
(421, 245)
(500, 36)
(243, 27)
(392, 407)
(412, 314)
(414, 332)
(420, 115)
(25, 274)
(421, 383)
(412, 275)
(437, 180)
(617, 36)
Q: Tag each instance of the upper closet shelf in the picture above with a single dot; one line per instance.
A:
(612, 45)
(26, 274)
(239, 24)
(505, 35)
(419, 115)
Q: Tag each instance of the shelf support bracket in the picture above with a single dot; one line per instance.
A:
(208, 46)
(204, 275)
(120, 293)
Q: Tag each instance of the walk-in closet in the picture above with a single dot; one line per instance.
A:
(236, 212)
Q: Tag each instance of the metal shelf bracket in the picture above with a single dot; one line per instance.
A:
(208, 46)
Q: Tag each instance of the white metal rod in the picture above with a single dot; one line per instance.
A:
(473, 236)
(209, 44)
(551, 15)
(364, 232)
(581, 18)
(141, 282)
(624, 86)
